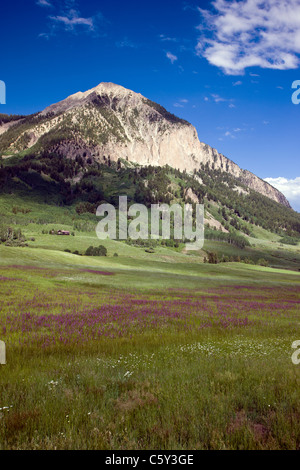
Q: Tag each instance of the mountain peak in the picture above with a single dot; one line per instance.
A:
(109, 86)
(80, 98)
(110, 120)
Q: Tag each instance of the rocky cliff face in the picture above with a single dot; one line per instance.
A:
(111, 121)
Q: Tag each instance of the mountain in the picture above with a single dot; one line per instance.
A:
(112, 123)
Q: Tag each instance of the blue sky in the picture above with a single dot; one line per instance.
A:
(225, 66)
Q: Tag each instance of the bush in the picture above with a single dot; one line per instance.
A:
(232, 238)
(86, 207)
(8, 234)
(15, 243)
(289, 240)
(96, 251)
(263, 262)
(213, 258)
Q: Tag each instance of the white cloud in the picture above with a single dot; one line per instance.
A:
(181, 103)
(220, 99)
(217, 98)
(233, 133)
(248, 33)
(289, 187)
(45, 35)
(68, 18)
(237, 83)
(229, 134)
(43, 3)
(172, 57)
(162, 37)
(72, 19)
(126, 43)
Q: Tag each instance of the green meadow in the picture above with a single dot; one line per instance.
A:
(140, 350)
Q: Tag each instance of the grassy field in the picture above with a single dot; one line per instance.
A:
(145, 350)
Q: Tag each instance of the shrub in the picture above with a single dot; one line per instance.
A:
(213, 258)
(10, 234)
(86, 207)
(289, 240)
(96, 251)
(263, 262)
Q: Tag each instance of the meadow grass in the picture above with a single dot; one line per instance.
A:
(140, 353)
(43, 217)
(144, 350)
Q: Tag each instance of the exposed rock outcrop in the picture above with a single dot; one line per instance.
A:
(111, 121)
